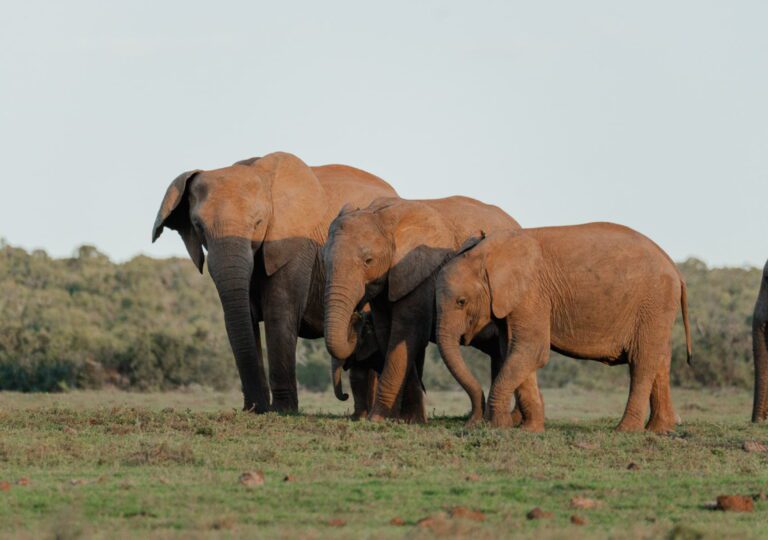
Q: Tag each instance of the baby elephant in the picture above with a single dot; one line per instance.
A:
(597, 291)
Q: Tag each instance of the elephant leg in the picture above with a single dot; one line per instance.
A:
(282, 338)
(373, 382)
(528, 398)
(408, 337)
(643, 369)
(497, 360)
(359, 381)
(662, 418)
(519, 368)
(285, 295)
(413, 409)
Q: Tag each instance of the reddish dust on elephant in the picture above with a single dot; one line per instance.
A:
(263, 222)
(597, 291)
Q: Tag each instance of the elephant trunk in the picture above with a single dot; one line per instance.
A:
(340, 321)
(230, 262)
(337, 366)
(760, 349)
(448, 343)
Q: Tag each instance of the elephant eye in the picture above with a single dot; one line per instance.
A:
(461, 301)
(368, 261)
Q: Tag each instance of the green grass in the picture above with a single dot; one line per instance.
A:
(111, 464)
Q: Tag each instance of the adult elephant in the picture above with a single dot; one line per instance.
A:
(387, 255)
(263, 222)
(760, 348)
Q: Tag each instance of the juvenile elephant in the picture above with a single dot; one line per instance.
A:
(760, 348)
(597, 291)
(263, 222)
(387, 255)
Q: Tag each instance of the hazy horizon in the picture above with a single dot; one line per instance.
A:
(653, 115)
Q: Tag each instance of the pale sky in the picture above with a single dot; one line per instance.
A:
(650, 114)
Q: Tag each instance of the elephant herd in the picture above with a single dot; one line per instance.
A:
(334, 252)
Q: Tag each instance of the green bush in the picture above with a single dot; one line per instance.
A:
(85, 322)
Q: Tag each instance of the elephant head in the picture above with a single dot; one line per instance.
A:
(481, 284)
(393, 246)
(272, 206)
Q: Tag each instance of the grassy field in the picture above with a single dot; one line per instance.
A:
(111, 464)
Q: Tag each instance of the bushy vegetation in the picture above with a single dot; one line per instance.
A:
(86, 322)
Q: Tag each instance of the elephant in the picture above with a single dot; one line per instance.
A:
(387, 256)
(597, 291)
(263, 222)
(760, 349)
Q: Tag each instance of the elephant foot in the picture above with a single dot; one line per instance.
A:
(414, 417)
(532, 426)
(629, 427)
(253, 407)
(282, 407)
(376, 417)
(473, 420)
(660, 426)
(359, 415)
(517, 417)
(503, 420)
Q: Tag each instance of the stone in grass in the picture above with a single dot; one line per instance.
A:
(251, 479)
(578, 520)
(538, 513)
(633, 467)
(735, 503)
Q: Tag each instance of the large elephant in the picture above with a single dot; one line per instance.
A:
(597, 291)
(760, 348)
(263, 222)
(387, 255)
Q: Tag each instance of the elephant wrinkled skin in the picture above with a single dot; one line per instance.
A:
(597, 291)
(263, 222)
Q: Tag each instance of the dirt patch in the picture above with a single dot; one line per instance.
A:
(735, 503)
(397, 521)
(5, 486)
(437, 523)
(578, 520)
(538, 513)
(337, 522)
(462, 512)
(583, 503)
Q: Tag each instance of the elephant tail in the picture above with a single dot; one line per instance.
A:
(684, 308)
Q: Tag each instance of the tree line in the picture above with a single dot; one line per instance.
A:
(156, 324)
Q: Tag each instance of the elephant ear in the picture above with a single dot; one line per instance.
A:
(510, 269)
(174, 214)
(471, 242)
(422, 244)
(298, 208)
